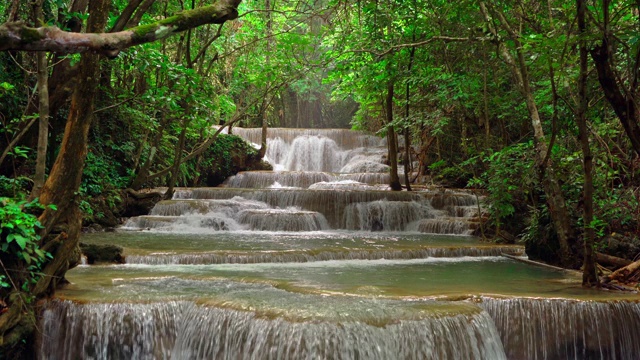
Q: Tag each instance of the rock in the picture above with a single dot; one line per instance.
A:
(136, 203)
(102, 253)
(626, 247)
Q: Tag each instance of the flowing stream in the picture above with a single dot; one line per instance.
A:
(319, 260)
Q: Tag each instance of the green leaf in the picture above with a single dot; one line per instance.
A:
(20, 240)
(26, 257)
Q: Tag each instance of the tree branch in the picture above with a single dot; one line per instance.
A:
(445, 39)
(19, 36)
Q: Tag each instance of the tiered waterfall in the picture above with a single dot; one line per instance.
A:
(318, 259)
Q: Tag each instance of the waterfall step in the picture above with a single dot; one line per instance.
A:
(371, 210)
(184, 330)
(252, 257)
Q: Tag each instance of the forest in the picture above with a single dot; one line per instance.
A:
(533, 105)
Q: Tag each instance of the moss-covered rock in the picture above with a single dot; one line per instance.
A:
(96, 253)
(227, 156)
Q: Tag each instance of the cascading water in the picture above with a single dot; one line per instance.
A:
(566, 329)
(319, 260)
(184, 330)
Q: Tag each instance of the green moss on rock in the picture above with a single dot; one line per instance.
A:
(228, 155)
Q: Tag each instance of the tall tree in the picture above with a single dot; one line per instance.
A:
(64, 180)
(547, 173)
(619, 84)
(589, 271)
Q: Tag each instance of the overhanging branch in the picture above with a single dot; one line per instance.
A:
(19, 36)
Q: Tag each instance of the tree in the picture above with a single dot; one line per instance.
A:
(64, 180)
(619, 84)
(546, 170)
(589, 270)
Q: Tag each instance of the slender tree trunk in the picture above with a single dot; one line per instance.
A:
(485, 103)
(15, 140)
(125, 15)
(175, 171)
(43, 128)
(263, 112)
(407, 133)
(43, 112)
(143, 174)
(263, 135)
(589, 273)
(392, 140)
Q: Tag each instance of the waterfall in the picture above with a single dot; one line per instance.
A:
(384, 215)
(566, 329)
(324, 263)
(338, 203)
(291, 219)
(184, 330)
(264, 179)
(254, 257)
(328, 179)
(346, 139)
(109, 331)
(224, 334)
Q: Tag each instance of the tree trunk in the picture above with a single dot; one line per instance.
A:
(43, 128)
(589, 272)
(407, 134)
(392, 140)
(623, 274)
(43, 111)
(623, 101)
(64, 180)
(265, 102)
(177, 161)
(143, 174)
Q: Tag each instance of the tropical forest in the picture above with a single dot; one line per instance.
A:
(319, 179)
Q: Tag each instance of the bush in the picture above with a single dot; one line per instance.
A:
(19, 244)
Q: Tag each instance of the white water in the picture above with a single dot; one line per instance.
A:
(182, 330)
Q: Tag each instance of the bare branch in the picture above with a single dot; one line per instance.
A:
(445, 39)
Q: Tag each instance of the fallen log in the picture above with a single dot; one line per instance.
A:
(537, 263)
(611, 260)
(624, 274)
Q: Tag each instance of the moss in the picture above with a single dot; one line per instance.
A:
(228, 155)
(29, 35)
(142, 30)
(172, 20)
